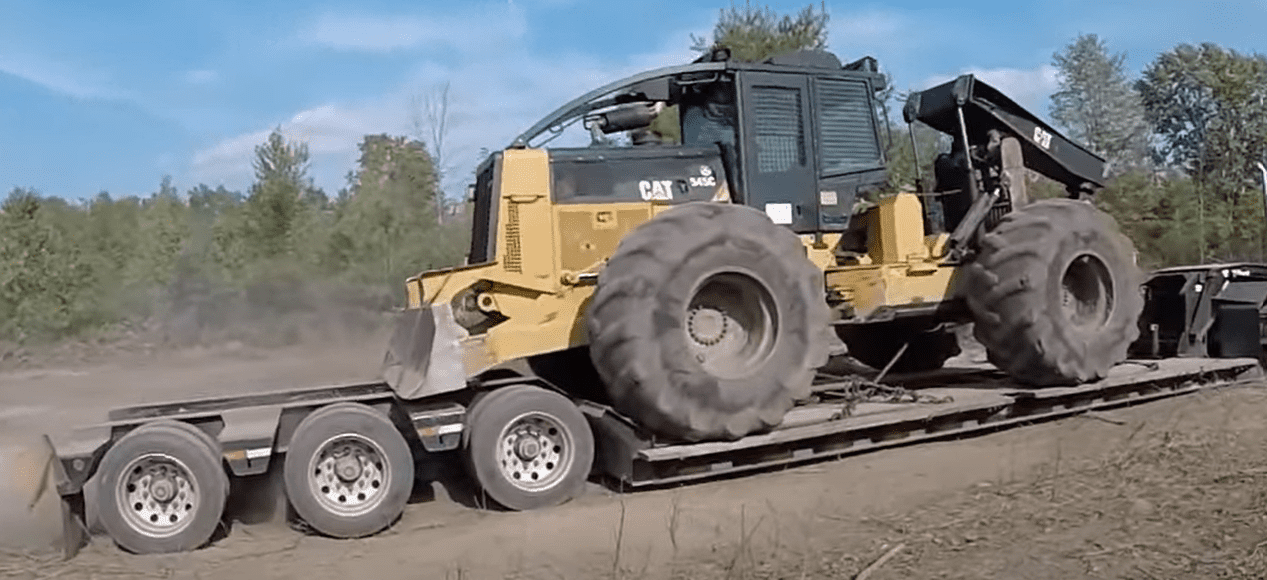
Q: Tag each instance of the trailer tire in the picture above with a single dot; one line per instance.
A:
(762, 323)
(1055, 293)
(349, 471)
(147, 514)
(528, 448)
(875, 344)
(211, 442)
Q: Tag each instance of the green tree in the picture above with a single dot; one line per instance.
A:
(900, 155)
(753, 33)
(1097, 105)
(42, 274)
(210, 204)
(276, 199)
(162, 230)
(111, 239)
(1208, 105)
(387, 229)
(113, 231)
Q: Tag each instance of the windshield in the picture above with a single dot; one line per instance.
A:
(709, 114)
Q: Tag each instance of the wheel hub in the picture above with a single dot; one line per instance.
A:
(707, 326)
(162, 489)
(527, 448)
(535, 451)
(731, 324)
(1086, 293)
(157, 496)
(348, 467)
(348, 475)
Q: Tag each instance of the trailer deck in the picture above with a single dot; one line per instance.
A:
(973, 400)
(253, 430)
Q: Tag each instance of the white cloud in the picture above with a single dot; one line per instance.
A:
(472, 29)
(201, 77)
(59, 77)
(493, 97)
(331, 132)
(229, 161)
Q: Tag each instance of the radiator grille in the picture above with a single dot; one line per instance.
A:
(514, 250)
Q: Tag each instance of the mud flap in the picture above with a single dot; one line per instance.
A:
(74, 530)
(425, 355)
(35, 515)
(75, 533)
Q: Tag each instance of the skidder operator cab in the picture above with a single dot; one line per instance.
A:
(797, 135)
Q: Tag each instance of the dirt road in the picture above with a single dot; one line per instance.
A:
(1172, 489)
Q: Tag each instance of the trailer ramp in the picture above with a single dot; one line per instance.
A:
(827, 429)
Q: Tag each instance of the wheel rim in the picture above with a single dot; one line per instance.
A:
(535, 451)
(1087, 293)
(349, 475)
(731, 323)
(157, 495)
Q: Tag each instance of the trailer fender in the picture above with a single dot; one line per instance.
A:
(78, 454)
(439, 427)
(248, 438)
(425, 356)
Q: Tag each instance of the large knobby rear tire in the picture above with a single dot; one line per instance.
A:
(349, 471)
(708, 323)
(163, 489)
(528, 448)
(1055, 293)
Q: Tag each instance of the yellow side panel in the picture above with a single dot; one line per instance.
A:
(545, 323)
(526, 239)
(896, 231)
(589, 233)
(868, 288)
(413, 292)
(824, 255)
(442, 285)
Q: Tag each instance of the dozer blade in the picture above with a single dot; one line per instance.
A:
(35, 516)
(425, 356)
(409, 353)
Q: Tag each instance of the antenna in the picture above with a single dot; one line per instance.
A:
(1264, 170)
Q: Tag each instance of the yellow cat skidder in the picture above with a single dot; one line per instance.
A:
(650, 312)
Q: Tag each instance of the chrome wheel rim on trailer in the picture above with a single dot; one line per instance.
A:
(159, 495)
(535, 450)
(348, 475)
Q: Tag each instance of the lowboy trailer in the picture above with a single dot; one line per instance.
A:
(252, 434)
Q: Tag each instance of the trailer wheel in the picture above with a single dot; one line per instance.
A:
(528, 448)
(348, 471)
(162, 489)
(1055, 293)
(708, 322)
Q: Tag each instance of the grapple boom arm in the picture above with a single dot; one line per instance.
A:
(986, 108)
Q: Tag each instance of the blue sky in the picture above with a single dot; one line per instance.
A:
(112, 96)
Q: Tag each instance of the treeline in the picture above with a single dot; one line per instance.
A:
(266, 265)
(1182, 140)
